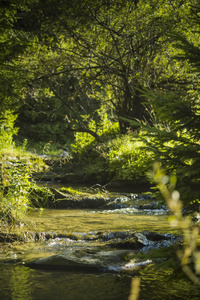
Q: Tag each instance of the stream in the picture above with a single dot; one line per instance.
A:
(55, 231)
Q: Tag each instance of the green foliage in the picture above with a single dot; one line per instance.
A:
(40, 197)
(127, 159)
(175, 138)
(90, 154)
(117, 156)
(104, 128)
(93, 53)
(71, 191)
(7, 130)
(13, 43)
(82, 141)
(16, 185)
(41, 118)
(14, 189)
(16, 167)
(175, 142)
(189, 255)
(81, 71)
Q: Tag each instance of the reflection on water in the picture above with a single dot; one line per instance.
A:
(21, 283)
(164, 284)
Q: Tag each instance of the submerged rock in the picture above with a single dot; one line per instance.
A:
(117, 251)
(91, 259)
(133, 244)
(155, 236)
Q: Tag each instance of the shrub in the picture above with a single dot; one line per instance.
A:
(127, 158)
(7, 130)
(41, 197)
(104, 128)
(122, 157)
(16, 167)
(14, 189)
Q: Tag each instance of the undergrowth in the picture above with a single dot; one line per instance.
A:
(16, 168)
(121, 157)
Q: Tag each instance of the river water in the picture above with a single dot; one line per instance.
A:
(159, 281)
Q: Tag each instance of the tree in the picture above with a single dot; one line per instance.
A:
(13, 79)
(174, 141)
(117, 49)
(106, 52)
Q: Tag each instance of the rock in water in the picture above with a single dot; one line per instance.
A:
(90, 259)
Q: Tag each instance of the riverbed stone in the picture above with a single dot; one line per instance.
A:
(133, 243)
(155, 236)
(113, 235)
(90, 259)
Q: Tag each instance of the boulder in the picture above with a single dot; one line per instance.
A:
(155, 236)
(90, 259)
(135, 243)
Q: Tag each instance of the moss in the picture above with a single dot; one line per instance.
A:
(71, 191)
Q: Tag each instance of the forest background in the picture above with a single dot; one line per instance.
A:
(114, 83)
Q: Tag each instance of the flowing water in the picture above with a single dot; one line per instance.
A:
(72, 228)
